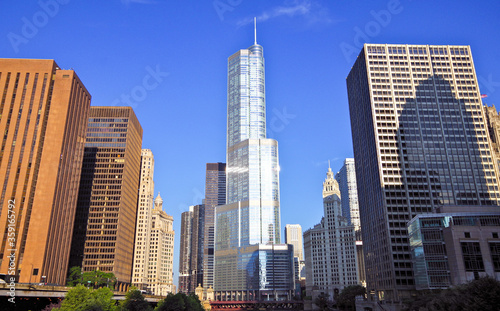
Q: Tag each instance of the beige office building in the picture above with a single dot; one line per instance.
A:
(143, 223)
(43, 118)
(330, 247)
(161, 251)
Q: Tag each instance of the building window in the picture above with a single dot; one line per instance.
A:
(495, 255)
(467, 235)
(473, 260)
(495, 235)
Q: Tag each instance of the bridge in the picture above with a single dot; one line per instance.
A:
(257, 305)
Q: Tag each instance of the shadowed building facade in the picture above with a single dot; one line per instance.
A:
(43, 118)
(185, 251)
(456, 245)
(103, 237)
(215, 194)
(420, 142)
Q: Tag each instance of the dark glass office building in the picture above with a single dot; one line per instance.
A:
(420, 142)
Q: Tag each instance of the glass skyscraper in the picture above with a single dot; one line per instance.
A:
(251, 216)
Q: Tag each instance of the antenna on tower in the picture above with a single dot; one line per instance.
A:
(255, 30)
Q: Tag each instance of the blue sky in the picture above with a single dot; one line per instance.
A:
(168, 59)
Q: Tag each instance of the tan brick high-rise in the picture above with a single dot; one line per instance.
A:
(105, 221)
(43, 119)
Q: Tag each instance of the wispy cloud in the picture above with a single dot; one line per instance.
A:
(310, 10)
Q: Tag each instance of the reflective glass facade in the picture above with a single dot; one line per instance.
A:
(255, 272)
(251, 216)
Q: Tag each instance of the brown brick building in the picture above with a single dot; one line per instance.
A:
(105, 221)
(43, 119)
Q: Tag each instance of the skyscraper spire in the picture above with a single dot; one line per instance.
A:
(255, 30)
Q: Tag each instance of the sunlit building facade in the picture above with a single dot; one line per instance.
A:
(251, 216)
(43, 117)
(161, 251)
(143, 222)
(420, 142)
(346, 177)
(330, 247)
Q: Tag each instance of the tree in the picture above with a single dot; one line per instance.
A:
(80, 298)
(94, 278)
(99, 279)
(179, 302)
(347, 297)
(193, 303)
(323, 302)
(134, 301)
(74, 276)
(481, 294)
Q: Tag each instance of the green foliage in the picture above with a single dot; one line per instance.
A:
(99, 279)
(193, 303)
(92, 279)
(74, 276)
(347, 297)
(82, 299)
(323, 302)
(134, 301)
(179, 302)
(482, 294)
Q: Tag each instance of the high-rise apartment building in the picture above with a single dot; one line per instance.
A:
(143, 222)
(185, 251)
(251, 216)
(196, 258)
(346, 177)
(215, 195)
(43, 118)
(293, 236)
(420, 142)
(161, 251)
(103, 235)
(330, 247)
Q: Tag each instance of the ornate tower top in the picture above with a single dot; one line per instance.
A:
(159, 202)
(330, 185)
